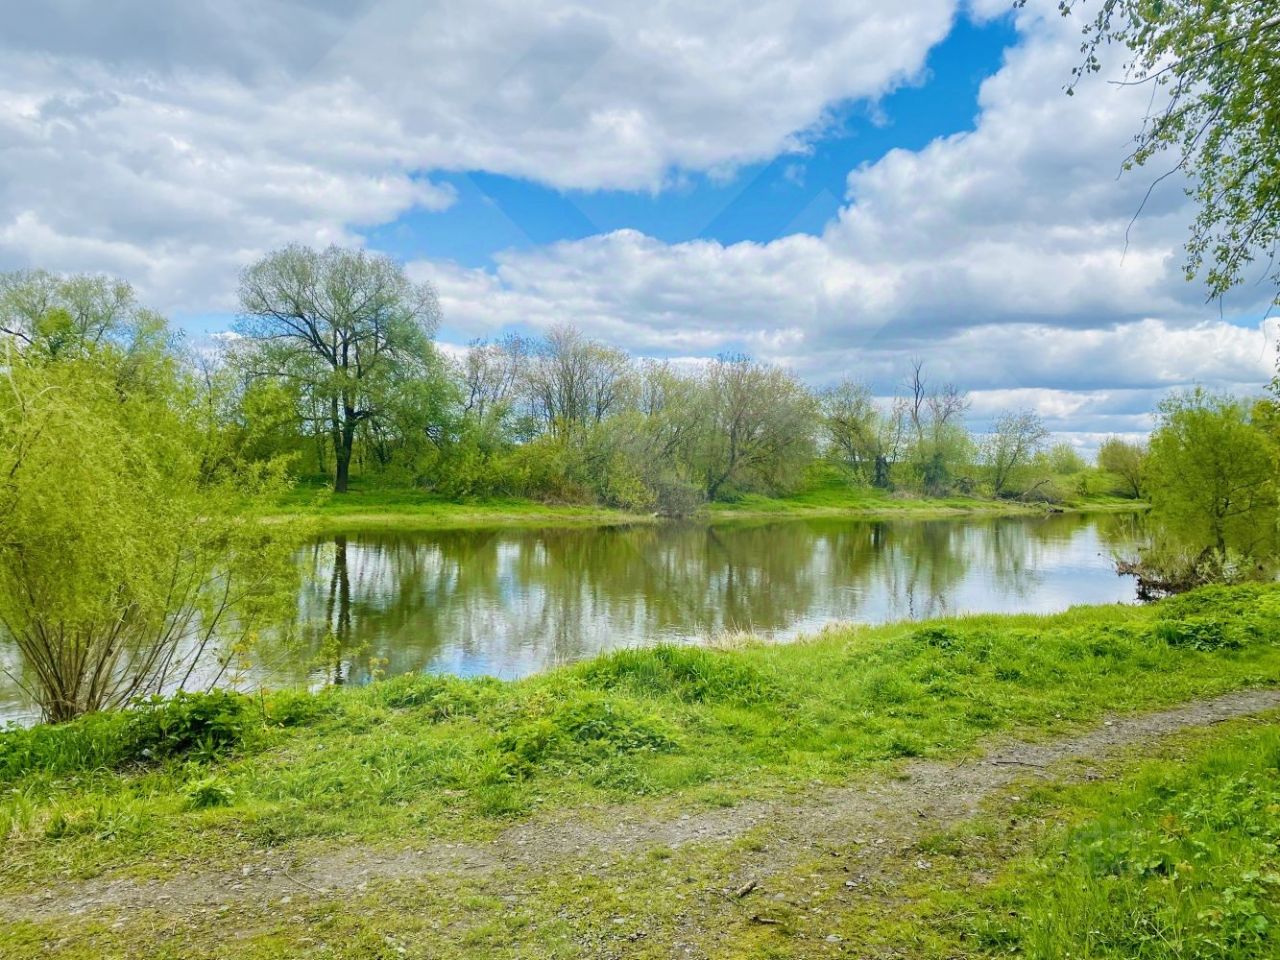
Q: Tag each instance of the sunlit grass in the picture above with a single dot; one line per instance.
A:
(434, 757)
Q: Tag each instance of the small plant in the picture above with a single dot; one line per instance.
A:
(693, 674)
(938, 636)
(439, 696)
(210, 792)
(203, 724)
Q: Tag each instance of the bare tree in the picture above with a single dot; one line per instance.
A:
(574, 381)
(491, 375)
(1015, 438)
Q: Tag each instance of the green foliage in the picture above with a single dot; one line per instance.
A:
(438, 696)
(441, 755)
(1010, 447)
(210, 792)
(688, 674)
(1212, 476)
(1064, 460)
(1127, 461)
(584, 729)
(1210, 66)
(128, 556)
(196, 725)
(199, 724)
(348, 337)
(1179, 861)
(1197, 634)
(940, 637)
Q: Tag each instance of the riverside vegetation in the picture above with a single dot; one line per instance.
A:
(149, 518)
(221, 779)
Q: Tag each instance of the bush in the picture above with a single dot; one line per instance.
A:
(1198, 634)
(204, 723)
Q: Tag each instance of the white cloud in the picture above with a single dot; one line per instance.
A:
(1005, 256)
(174, 142)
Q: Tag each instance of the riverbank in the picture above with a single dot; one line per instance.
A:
(409, 510)
(632, 805)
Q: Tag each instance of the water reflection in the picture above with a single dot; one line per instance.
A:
(509, 603)
(512, 602)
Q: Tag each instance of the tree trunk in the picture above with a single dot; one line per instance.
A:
(344, 440)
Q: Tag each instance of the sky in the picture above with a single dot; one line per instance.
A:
(838, 186)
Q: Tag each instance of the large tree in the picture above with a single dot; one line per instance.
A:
(1214, 70)
(758, 424)
(1126, 460)
(866, 438)
(346, 329)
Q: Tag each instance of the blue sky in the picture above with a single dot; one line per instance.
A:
(837, 186)
(795, 193)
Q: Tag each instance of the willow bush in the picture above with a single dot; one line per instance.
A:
(130, 562)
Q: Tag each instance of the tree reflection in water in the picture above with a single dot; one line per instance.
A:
(511, 602)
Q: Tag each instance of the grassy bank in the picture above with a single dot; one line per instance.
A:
(1157, 857)
(379, 509)
(667, 732)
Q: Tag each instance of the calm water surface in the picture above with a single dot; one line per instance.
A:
(513, 602)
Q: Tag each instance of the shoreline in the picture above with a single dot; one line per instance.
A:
(413, 513)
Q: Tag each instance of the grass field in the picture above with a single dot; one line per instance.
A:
(432, 762)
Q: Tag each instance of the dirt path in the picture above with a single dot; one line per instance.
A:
(881, 815)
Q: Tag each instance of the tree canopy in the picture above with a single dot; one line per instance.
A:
(129, 559)
(1214, 70)
(347, 333)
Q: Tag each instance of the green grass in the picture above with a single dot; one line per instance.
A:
(1160, 856)
(427, 757)
(827, 494)
(372, 509)
(1151, 857)
(1176, 860)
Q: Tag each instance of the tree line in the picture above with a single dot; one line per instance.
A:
(334, 365)
(133, 473)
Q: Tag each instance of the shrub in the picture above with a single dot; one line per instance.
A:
(296, 708)
(205, 723)
(939, 637)
(1200, 633)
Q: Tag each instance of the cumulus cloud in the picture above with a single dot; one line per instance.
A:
(1007, 256)
(173, 142)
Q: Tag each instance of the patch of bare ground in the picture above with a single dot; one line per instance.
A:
(882, 815)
